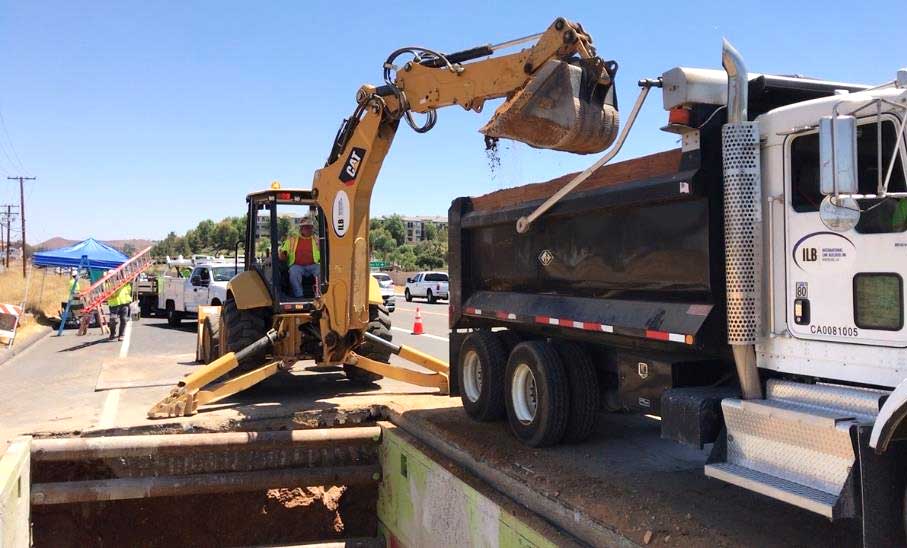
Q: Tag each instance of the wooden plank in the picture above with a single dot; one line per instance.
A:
(637, 169)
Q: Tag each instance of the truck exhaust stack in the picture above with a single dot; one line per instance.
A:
(563, 107)
(743, 224)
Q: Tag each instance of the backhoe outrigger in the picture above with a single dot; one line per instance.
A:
(559, 95)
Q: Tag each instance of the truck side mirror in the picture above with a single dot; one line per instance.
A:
(838, 155)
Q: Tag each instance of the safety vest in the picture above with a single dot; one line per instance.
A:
(289, 247)
(899, 219)
(122, 296)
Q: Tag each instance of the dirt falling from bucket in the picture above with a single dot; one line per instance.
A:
(493, 155)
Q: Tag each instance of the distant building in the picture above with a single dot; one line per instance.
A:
(415, 227)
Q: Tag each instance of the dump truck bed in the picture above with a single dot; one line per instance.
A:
(632, 256)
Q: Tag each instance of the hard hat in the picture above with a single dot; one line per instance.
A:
(307, 221)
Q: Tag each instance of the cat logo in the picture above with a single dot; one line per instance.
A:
(351, 166)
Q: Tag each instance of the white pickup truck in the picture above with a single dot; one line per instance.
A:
(180, 295)
(430, 285)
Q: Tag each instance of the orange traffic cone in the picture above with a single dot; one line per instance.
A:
(417, 323)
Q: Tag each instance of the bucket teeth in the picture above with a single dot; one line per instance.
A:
(178, 403)
(557, 111)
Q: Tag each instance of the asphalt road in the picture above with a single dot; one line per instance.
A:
(50, 387)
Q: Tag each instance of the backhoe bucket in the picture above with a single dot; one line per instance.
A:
(562, 107)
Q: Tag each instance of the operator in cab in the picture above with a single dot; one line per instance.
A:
(301, 255)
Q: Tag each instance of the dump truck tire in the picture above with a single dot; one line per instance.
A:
(509, 339)
(240, 329)
(584, 394)
(536, 394)
(379, 324)
(483, 361)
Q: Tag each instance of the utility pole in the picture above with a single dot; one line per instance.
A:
(22, 213)
(6, 220)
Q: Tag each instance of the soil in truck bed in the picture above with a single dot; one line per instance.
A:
(644, 167)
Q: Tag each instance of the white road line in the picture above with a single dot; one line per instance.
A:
(422, 311)
(127, 336)
(109, 412)
(429, 335)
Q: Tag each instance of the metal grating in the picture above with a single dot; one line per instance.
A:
(861, 403)
(742, 230)
(790, 442)
(790, 492)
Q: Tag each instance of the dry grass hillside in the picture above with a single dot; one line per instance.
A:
(45, 293)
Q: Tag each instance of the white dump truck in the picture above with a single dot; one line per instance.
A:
(747, 290)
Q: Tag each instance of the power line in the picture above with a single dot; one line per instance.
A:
(7, 220)
(11, 145)
(22, 214)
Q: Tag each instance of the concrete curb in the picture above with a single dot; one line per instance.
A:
(21, 346)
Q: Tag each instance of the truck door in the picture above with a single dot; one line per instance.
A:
(846, 285)
(197, 290)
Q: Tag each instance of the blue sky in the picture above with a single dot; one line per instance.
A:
(143, 117)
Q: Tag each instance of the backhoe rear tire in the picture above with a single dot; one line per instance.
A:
(240, 329)
(379, 324)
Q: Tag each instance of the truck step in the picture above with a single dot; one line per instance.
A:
(863, 403)
(799, 443)
(796, 494)
(795, 445)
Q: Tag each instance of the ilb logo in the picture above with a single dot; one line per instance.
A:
(809, 254)
(351, 166)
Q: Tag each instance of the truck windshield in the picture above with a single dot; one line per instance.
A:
(223, 273)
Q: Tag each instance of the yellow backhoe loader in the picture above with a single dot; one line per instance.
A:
(559, 95)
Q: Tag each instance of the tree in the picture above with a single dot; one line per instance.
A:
(204, 233)
(129, 249)
(382, 242)
(430, 231)
(430, 255)
(394, 224)
(225, 236)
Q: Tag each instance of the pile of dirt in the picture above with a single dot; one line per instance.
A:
(637, 169)
(277, 516)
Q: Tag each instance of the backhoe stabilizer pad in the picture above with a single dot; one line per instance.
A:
(179, 403)
(560, 108)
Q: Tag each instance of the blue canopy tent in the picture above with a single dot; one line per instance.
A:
(90, 254)
(99, 256)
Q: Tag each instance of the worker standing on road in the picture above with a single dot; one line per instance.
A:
(119, 309)
(302, 255)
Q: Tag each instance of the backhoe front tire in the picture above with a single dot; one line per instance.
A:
(240, 329)
(380, 325)
(210, 344)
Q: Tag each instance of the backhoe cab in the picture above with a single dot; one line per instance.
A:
(558, 95)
